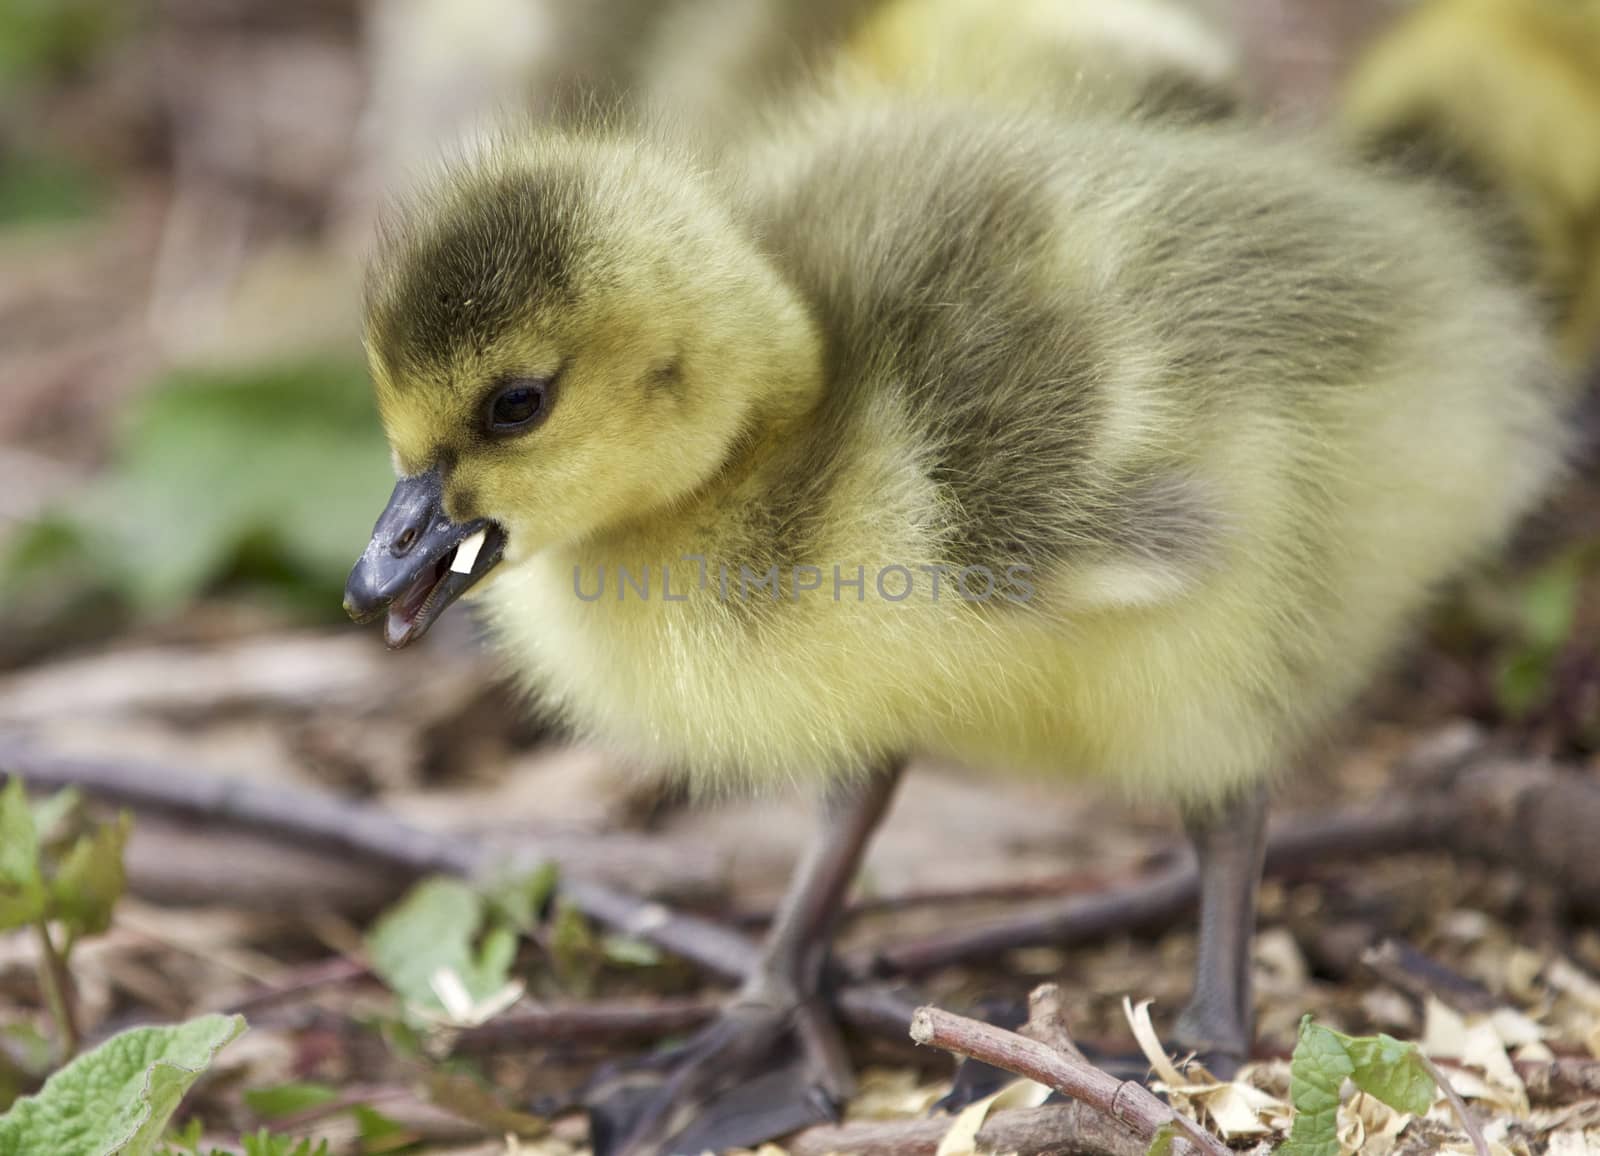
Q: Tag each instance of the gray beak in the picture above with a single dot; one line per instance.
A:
(408, 569)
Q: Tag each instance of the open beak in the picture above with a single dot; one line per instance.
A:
(419, 561)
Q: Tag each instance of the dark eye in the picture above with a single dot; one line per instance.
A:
(515, 406)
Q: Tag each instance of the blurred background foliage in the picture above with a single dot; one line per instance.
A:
(44, 40)
(261, 476)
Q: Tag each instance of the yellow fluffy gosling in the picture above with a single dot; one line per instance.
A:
(1080, 446)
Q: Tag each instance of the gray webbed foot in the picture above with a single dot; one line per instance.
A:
(759, 1071)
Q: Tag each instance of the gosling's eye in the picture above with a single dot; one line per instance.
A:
(516, 406)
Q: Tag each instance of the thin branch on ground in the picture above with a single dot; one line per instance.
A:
(300, 984)
(590, 1023)
(367, 833)
(1047, 1022)
(1469, 1123)
(1130, 1103)
(1052, 886)
(1149, 905)
(1469, 802)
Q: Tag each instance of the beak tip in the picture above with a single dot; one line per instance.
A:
(360, 602)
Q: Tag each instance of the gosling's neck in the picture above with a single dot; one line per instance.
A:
(772, 385)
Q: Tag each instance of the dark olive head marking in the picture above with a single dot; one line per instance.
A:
(455, 278)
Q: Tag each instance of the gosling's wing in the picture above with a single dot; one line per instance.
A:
(1119, 345)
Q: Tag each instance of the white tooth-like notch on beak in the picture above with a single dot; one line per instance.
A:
(467, 553)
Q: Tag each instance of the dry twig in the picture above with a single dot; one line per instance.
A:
(1469, 1123)
(1130, 1103)
(590, 1023)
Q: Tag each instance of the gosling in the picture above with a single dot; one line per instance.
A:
(1090, 447)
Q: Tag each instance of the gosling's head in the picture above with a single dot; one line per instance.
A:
(564, 335)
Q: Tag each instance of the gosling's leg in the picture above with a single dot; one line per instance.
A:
(773, 1061)
(1229, 843)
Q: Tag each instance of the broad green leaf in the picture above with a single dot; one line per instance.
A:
(291, 460)
(271, 476)
(1317, 1071)
(22, 889)
(438, 926)
(1392, 1071)
(117, 1099)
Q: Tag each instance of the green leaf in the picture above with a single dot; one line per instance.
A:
(630, 952)
(1522, 680)
(185, 1140)
(293, 458)
(438, 926)
(575, 954)
(37, 190)
(1161, 1142)
(263, 1143)
(22, 891)
(379, 1133)
(521, 899)
(52, 813)
(1549, 601)
(293, 468)
(1544, 610)
(91, 879)
(1381, 1066)
(1393, 1072)
(288, 1099)
(1317, 1071)
(117, 1099)
(45, 39)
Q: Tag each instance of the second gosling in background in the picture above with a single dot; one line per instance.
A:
(1229, 409)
